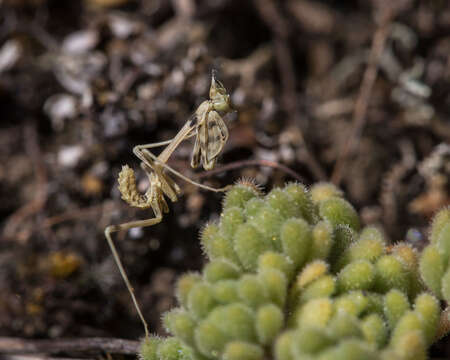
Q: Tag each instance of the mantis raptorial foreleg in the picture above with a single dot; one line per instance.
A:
(151, 160)
(144, 155)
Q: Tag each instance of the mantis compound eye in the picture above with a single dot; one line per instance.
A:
(219, 97)
(222, 104)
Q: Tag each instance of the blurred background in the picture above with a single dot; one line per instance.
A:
(354, 91)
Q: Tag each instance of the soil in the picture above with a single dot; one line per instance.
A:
(356, 92)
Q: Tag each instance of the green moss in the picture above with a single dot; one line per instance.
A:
(236, 321)
(268, 222)
(275, 284)
(225, 291)
(239, 350)
(207, 237)
(179, 323)
(184, 285)
(269, 322)
(281, 202)
(240, 194)
(230, 220)
(324, 191)
(396, 304)
(252, 207)
(284, 345)
(351, 349)
(277, 261)
(296, 239)
(440, 220)
(249, 244)
(344, 325)
(311, 272)
(324, 286)
(358, 275)
(445, 285)
(172, 349)
(302, 199)
(311, 340)
(432, 269)
(209, 340)
(252, 291)
(410, 321)
(322, 241)
(201, 300)
(411, 346)
(344, 236)
(353, 303)
(216, 245)
(291, 277)
(391, 274)
(369, 246)
(316, 312)
(374, 330)
(339, 212)
(443, 243)
(220, 270)
(427, 306)
(149, 348)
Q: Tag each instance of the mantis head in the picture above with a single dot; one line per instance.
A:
(218, 95)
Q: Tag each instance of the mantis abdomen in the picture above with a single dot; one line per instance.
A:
(129, 191)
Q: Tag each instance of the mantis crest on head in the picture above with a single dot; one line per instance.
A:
(211, 134)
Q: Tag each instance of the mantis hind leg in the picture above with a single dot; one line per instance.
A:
(114, 228)
(181, 176)
(149, 159)
(138, 149)
(160, 143)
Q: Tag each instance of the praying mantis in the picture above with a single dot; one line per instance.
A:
(211, 134)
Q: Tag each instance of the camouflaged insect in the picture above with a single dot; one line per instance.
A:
(211, 135)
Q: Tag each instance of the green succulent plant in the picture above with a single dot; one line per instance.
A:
(291, 275)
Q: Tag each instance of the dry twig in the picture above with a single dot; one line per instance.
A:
(39, 357)
(275, 21)
(68, 346)
(362, 102)
(33, 150)
(391, 184)
(79, 214)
